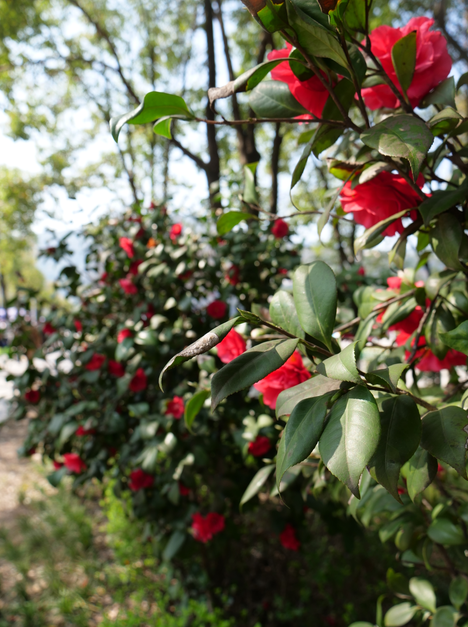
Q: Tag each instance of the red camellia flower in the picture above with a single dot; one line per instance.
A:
(139, 479)
(361, 271)
(81, 431)
(32, 396)
(260, 446)
(123, 334)
(103, 278)
(231, 347)
(204, 528)
(433, 62)
(115, 368)
(48, 329)
(128, 286)
(134, 267)
(74, 463)
(176, 230)
(282, 271)
(78, 326)
(183, 490)
(139, 381)
(217, 309)
(57, 465)
(288, 538)
(232, 275)
(95, 362)
(381, 197)
(175, 407)
(311, 94)
(280, 229)
(290, 374)
(127, 245)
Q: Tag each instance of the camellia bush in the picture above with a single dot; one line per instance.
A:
(372, 390)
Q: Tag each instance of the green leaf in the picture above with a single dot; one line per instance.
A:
(399, 614)
(315, 297)
(444, 121)
(174, 544)
(355, 15)
(444, 435)
(446, 239)
(404, 60)
(446, 616)
(342, 366)
(361, 624)
(423, 592)
(229, 220)
(146, 337)
(203, 345)
(373, 236)
(250, 367)
(316, 386)
(283, 313)
(272, 99)
(443, 94)
(301, 164)
(445, 532)
(387, 377)
(250, 191)
(351, 437)
(441, 201)
(457, 338)
(155, 105)
(397, 582)
(163, 127)
(313, 37)
(56, 477)
(257, 482)
(422, 470)
(301, 434)
(458, 591)
(271, 19)
(439, 322)
(193, 407)
(403, 136)
(400, 433)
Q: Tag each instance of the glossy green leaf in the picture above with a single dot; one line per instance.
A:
(174, 544)
(446, 239)
(404, 59)
(397, 582)
(194, 406)
(444, 121)
(283, 313)
(403, 136)
(272, 99)
(56, 477)
(458, 591)
(316, 386)
(355, 15)
(203, 345)
(301, 164)
(250, 367)
(373, 236)
(457, 338)
(441, 201)
(446, 616)
(387, 377)
(443, 94)
(229, 220)
(422, 470)
(423, 592)
(439, 322)
(341, 367)
(301, 434)
(155, 105)
(444, 435)
(163, 127)
(315, 297)
(250, 191)
(257, 482)
(400, 433)
(399, 615)
(351, 437)
(271, 19)
(445, 532)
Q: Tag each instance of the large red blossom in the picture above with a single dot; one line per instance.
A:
(134, 267)
(128, 286)
(204, 528)
(95, 362)
(290, 374)
(78, 326)
(74, 463)
(32, 396)
(48, 329)
(288, 538)
(176, 230)
(127, 245)
(123, 334)
(139, 381)
(433, 62)
(175, 407)
(139, 479)
(116, 368)
(381, 197)
(260, 446)
(231, 347)
(280, 228)
(311, 94)
(217, 309)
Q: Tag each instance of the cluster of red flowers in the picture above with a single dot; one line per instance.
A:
(139, 480)
(139, 381)
(217, 309)
(175, 407)
(96, 362)
(32, 396)
(205, 527)
(74, 463)
(123, 334)
(290, 374)
(260, 446)
(288, 538)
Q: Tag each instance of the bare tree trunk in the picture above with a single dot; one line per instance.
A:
(275, 160)
(213, 166)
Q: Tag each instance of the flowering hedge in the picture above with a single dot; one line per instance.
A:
(361, 397)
